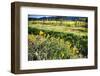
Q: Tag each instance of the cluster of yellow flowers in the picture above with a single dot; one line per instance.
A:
(73, 50)
(31, 38)
(41, 33)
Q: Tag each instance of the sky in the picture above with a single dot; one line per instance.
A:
(37, 16)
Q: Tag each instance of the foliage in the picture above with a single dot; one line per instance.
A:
(49, 40)
(47, 48)
(43, 46)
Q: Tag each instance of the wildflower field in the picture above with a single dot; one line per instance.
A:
(57, 37)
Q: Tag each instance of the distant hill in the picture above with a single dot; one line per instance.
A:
(72, 18)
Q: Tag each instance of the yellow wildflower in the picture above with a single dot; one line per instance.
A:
(41, 33)
(75, 50)
(31, 38)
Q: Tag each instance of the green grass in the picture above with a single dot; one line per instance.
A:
(47, 48)
(49, 41)
(64, 29)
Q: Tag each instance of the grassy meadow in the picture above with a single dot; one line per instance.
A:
(57, 37)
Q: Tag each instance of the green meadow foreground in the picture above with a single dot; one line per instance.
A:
(51, 40)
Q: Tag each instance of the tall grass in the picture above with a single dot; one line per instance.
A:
(53, 40)
(47, 48)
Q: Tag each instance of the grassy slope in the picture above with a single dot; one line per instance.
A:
(75, 36)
